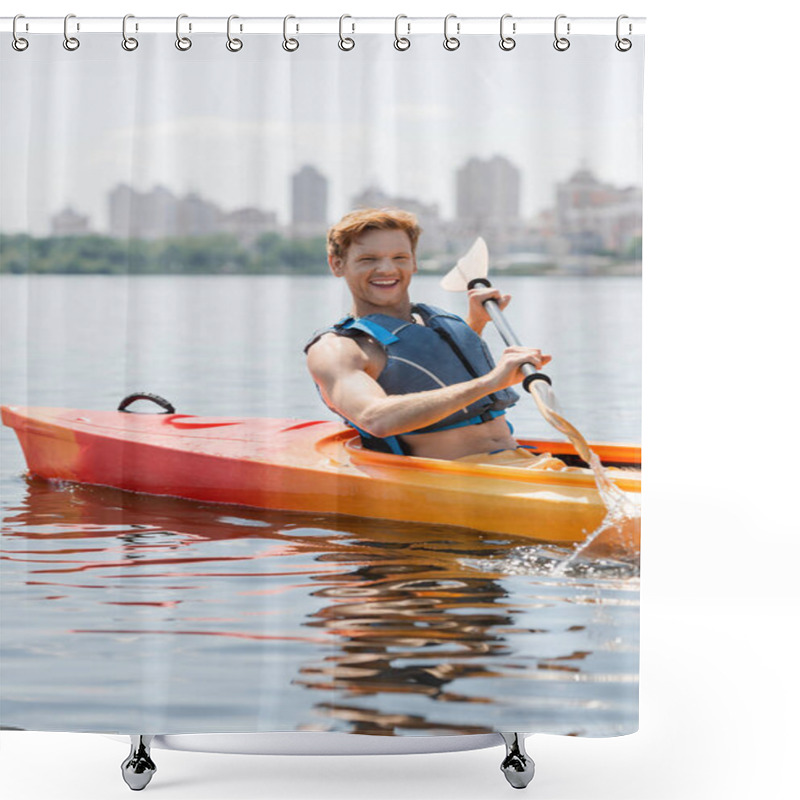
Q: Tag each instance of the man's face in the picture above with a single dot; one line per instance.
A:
(377, 267)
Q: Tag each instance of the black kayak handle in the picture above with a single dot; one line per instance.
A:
(509, 337)
(154, 398)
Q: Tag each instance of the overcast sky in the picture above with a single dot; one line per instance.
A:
(234, 127)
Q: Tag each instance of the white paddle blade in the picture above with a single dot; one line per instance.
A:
(475, 264)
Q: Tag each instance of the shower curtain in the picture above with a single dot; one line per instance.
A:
(165, 205)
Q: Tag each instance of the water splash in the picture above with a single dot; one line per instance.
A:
(588, 559)
(551, 561)
(621, 512)
(619, 505)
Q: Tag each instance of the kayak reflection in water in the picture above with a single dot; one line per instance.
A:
(414, 379)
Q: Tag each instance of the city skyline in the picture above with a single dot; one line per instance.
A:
(473, 199)
(97, 207)
(586, 216)
(241, 139)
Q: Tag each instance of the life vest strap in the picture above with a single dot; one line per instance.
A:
(373, 329)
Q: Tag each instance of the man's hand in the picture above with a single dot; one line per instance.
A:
(478, 316)
(507, 372)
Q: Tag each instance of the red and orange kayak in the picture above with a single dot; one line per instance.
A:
(316, 466)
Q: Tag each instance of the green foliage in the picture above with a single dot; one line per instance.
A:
(218, 254)
(202, 255)
(275, 254)
(633, 252)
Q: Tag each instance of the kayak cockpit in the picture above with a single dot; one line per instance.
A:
(346, 449)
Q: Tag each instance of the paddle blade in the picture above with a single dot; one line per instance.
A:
(475, 264)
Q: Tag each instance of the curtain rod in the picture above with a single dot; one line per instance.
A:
(461, 26)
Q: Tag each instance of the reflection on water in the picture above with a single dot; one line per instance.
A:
(126, 613)
(136, 613)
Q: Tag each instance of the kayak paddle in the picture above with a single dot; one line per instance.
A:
(471, 271)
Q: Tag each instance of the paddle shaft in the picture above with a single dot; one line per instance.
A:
(529, 370)
(531, 375)
(507, 334)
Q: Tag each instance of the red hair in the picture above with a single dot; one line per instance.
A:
(352, 225)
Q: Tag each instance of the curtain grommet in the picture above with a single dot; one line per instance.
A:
(129, 43)
(451, 42)
(623, 44)
(183, 43)
(234, 45)
(346, 43)
(71, 43)
(19, 43)
(289, 44)
(507, 42)
(561, 43)
(401, 43)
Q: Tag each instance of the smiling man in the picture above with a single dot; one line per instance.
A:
(412, 378)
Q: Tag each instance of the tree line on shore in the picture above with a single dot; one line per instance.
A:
(217, 254)
(93, 254)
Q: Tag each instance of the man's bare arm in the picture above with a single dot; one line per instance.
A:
(340, 368)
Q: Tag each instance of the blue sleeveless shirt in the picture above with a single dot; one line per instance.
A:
(442, 352)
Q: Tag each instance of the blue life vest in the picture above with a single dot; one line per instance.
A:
(441, 352)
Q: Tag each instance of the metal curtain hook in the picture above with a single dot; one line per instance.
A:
(623, 45)
(18, 43)
(561, 43)
(70, 42)
(507, 42)
(128, 42)
(182, 42)
(401, 43)
(346, 43)
(290, 45)
(451, 42)
(234, 45)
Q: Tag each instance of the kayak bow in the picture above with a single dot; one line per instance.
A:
(316, 466)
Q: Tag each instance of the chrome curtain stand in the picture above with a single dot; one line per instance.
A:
(138, 768)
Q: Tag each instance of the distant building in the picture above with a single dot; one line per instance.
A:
(593, 216)
(377, 198)
(69, 223)
(248, 224)
(488, 191)
(373, 197)
(140, 215)
(434, 232)
(309, 202)
(159, 214)
(121, 201)
(488, 202)
(197, 217)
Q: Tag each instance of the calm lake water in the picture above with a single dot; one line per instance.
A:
(127, 613)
